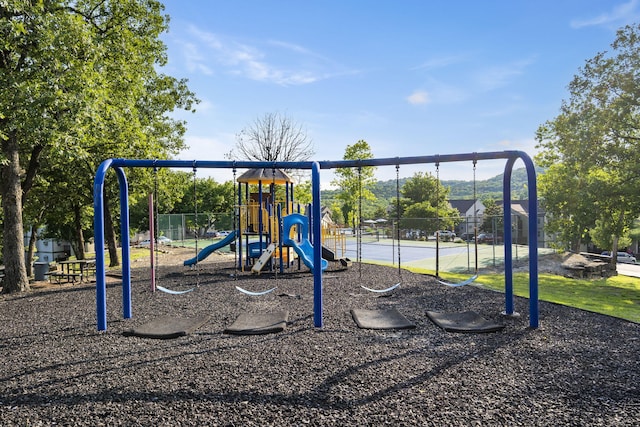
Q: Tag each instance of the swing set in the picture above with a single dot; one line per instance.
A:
(475, 232)
(359, 234)
(153, 238)
(118, 165)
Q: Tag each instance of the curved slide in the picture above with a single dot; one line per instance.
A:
(208, 250)
(304, 249)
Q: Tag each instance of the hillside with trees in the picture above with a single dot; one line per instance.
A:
(485, 189)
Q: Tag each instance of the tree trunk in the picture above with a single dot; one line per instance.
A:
(15, 279)
(110, 235)
(79, 236)
(576, 247)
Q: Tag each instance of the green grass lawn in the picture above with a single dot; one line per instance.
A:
(134, 254)
(617, 296)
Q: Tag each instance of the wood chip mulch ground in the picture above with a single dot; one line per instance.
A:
(578, 368)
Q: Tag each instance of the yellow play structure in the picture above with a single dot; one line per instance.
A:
(265, 196)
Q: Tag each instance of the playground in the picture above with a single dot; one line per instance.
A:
(577, 368)
(238, 339)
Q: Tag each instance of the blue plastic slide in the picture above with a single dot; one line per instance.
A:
(304, 249)
(208, 250)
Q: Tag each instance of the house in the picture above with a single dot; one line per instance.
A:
(520, 224)
(325, 215)
(519, 220)
(472, 214)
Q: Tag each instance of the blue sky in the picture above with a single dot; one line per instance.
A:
(411, 77)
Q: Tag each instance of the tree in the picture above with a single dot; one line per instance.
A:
(213, 201)
(492, 219)
(273, 137)
(425, 204)
(422, 187)
(591, 147)
(80, 86)
(355, 183)
(302, 193)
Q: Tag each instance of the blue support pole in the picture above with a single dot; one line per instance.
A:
(280, 238)
(317, 247)
(508, 250)
(247, 200)
(124, 243)
(260, 219)
(534, 321)
(98, 224)
(98, 227)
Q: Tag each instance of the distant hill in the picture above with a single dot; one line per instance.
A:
(492, 187)
(489, 188)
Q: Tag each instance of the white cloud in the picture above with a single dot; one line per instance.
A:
(623, 14)
(205, 106)
(439, 93)
(528, 145)
(418, 97)
(194, 60)
(269, 61)
(495, 77)
(441, 62)
(482, 80)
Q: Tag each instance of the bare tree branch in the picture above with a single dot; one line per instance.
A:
(273, 137)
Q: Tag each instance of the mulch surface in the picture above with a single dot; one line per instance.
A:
(578, 368)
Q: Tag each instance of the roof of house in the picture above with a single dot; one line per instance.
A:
(521, 207)
(462, 205)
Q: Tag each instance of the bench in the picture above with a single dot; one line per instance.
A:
(61, 277)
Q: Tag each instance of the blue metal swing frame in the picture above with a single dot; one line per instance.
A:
(118, 166)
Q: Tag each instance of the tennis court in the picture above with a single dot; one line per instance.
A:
(453, 257)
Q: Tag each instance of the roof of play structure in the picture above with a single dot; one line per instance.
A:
(265, 175)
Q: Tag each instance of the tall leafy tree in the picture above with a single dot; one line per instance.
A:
(79, 85)
(492, 219)
(355, 183)
(213, 201)
(302, 193)
(425, 204)
(592, 147)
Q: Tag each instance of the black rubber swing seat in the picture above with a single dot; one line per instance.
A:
(167, 327)
(258, 323)
(381, 319)
(466, 321)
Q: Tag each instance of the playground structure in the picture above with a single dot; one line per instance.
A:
(262, 215)
(315, 215)
(259, 236)
(208, 250)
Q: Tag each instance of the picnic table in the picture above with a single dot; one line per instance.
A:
(74, 271)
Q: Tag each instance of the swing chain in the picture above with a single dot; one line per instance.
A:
(196, 226)
(236, 223)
